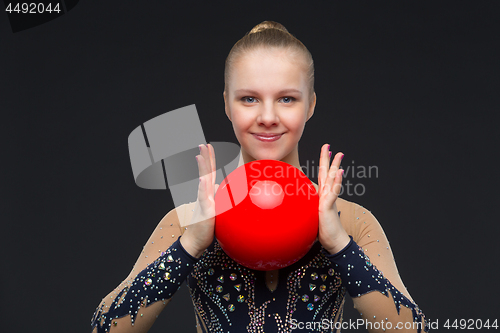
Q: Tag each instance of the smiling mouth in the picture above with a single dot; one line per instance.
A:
(267, 137)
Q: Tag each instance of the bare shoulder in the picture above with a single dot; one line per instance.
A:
(349, 206)
(353, 216)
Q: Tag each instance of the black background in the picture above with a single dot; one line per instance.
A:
(409, 88)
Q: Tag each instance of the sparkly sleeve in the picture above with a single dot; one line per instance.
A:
(158, 272)
(370, 275)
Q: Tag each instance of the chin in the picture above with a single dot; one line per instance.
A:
(267, 156)
(277, 154)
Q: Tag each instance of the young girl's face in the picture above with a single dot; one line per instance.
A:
(268, 103)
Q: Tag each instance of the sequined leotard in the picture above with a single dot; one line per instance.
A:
(307, 295)
(230, 297)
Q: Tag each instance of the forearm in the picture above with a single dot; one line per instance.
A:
(135, 304)
(381, 315)
(374, 296)
(146, 317)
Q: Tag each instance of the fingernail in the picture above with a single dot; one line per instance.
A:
(342, 157)
(328, 147)
(330, 153)
(342, 172)
(199, 148)
(196, 158)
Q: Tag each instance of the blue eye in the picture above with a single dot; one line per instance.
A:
(288, 100)
(248, 99)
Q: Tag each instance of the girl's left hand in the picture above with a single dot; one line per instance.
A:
(332, 234)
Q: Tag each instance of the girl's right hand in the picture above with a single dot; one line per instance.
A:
(200, 232)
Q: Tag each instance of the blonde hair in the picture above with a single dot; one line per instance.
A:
(269, 34)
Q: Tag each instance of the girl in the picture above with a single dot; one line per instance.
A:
(269, 96)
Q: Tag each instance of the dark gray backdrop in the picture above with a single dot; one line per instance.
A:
(410, 88)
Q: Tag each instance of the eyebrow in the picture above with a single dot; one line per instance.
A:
(284, 91)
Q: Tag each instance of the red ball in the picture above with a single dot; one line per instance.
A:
(266, 215)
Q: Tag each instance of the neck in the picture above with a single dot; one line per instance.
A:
(292, 159)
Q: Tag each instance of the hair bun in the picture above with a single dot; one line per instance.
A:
(268, 25)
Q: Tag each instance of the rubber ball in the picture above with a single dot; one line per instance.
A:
(266, 215)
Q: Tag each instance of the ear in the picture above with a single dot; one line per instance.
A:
(226, 106)
(312, 105)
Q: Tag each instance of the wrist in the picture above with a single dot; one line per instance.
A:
(188, 246)
(340, 243)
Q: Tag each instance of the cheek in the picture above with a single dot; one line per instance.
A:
(240, 120)
(294, 122)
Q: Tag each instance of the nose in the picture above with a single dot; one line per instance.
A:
(268, 115)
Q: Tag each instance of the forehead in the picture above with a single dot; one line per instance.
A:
(267, 68)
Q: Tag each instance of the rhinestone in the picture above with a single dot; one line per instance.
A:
(241, 298)
(166, 276)
(323, 277)
(238, 287)
(218, 288)
(322, 288)
(230, 307)
(226, 297)
(161, 266)
(305, 298)
(148, 282)
(331, 272)
(312, 286)
(210, 271)
(310, 306)
(314, 276)
(170, 258)
(316, 298)
(233, 276)
(221, 279)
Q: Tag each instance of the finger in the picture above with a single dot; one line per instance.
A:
(337, 159)
(332, 172)
(213, 170)
(206, 157)
(201, 187)
(202, 167)
(212, 156)
(332, 192)
(210, 175)
(337, 185)
(324, 161)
